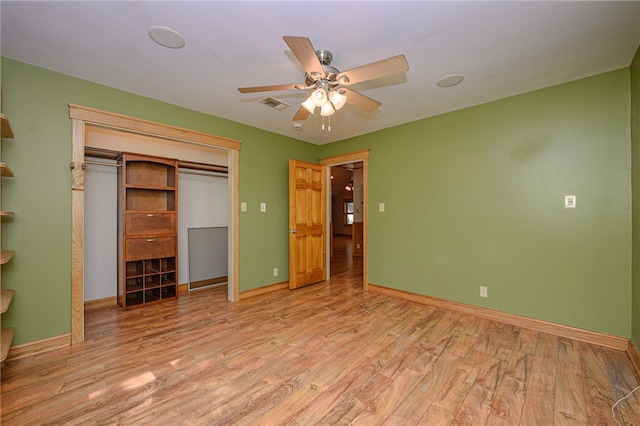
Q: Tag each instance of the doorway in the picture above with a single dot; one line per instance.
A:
(347, 220)
(345, 247)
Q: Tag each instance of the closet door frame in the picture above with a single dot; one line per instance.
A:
(82, 117)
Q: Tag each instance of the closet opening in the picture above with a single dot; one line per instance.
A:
(105, 135)
(202, 229)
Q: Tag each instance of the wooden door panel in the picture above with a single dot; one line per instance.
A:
(307, 220)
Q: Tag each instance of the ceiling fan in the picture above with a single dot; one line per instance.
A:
(328, 84)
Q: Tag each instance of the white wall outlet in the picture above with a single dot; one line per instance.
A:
(569, 201)
(243, 206)
(275, 272)
(381, 207)
(263, 207)
(483, 291)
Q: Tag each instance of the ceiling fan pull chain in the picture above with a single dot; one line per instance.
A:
(329, 123)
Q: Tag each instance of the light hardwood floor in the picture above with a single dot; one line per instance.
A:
(325, 354)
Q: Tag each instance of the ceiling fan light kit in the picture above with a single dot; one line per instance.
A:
(337, 99)
(326, 81)
(319, 97)
(309, 105)
(327, 109)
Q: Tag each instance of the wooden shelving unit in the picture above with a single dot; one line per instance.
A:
(6, 256)
(6, 127)
(6, 296)
(7, 337)
(147, 230)
(5, 171)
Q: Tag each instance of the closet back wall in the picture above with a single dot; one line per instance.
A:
(202, 202)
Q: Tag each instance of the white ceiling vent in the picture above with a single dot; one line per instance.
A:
(274, 103)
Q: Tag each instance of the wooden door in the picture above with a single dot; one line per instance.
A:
(307, 221)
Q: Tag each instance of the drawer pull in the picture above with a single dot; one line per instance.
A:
(152, 240)
(152, 215)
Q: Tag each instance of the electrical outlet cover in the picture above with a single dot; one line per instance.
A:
(569, 201)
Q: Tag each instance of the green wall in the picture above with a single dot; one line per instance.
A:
(476, 198)
(473, 197)
(635, 152)
(36, 102)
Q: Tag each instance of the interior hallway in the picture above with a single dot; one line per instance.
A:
(343, 265)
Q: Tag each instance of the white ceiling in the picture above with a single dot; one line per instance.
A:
(502, 49)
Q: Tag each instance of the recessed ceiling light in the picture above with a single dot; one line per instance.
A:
(297, 126)
(166, 37)
(450, 80)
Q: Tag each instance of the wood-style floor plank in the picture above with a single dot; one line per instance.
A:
(323, 354)
(570, 396)
(597, 400)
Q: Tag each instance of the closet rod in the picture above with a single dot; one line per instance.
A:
(102, 163)
(202, 173)
(180, 170)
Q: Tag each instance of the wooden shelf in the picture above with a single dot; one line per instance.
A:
(6, 338)
(6, 296)
(5, 170)
(6, 127)
(147, 226)
(5, 256)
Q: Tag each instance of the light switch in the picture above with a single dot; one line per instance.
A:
(243, 206)
(263, 207)
(381, 207)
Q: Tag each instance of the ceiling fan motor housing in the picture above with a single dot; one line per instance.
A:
(325, 57)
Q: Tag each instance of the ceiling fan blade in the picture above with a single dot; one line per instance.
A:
(302, 114)
(269, 88)
(359, 100)
(389, 66)
(306, 54)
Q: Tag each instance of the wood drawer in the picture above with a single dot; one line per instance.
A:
(150, 223)
(149, 248)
